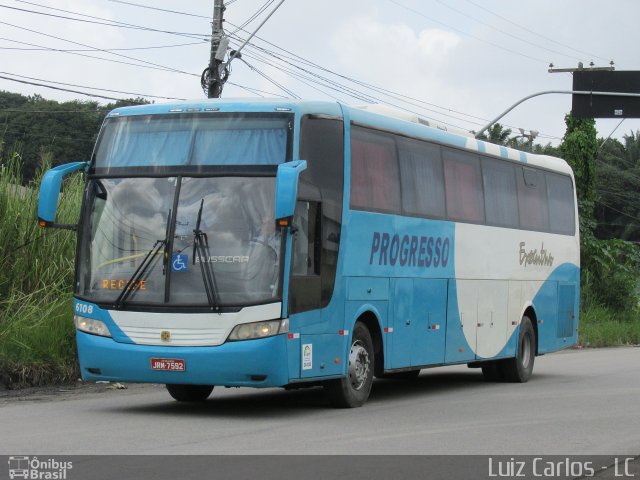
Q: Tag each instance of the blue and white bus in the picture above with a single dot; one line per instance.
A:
(266, 243)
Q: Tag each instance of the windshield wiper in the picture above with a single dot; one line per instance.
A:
(133, 283)
(201, 249)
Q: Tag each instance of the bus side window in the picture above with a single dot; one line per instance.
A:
(306, 242)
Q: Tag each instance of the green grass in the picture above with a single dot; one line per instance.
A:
(36, 280)
(602, 327)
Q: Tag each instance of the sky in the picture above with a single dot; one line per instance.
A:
(457, 62)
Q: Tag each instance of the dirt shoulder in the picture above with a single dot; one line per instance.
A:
(67, 392)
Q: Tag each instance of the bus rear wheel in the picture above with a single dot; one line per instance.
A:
(189, 393)
(492, 371)
(353, 390)
(520, 368)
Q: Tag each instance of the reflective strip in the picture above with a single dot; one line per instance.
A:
(291, 336)
(344, 333)
(388, 330)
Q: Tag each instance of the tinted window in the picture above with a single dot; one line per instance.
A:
(532, 200)
(193, 140)
(500, 194)
(375, 183)
(322, 146)
(421, 178)
(463, 186)
(306, 252)
(561, 207)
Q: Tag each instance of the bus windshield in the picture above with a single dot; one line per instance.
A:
(222, 228)
(176, 140)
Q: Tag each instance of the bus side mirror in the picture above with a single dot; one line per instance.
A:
(287, 190)
(50, 191)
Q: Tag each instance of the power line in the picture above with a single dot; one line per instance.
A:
(93, 88)
(290, 57)
(297, 77)
(61, 89)
(256, 90)
(344, 89)
(105, 21)
(460, 12)
(160, 9)
(86, 55)
(238, 28)
(501, 47)
(348, 91)
(266, 5)
(485, 9)
(269, 79)
(326, 82)
(96, 48)
(51, 49)
(158, 47)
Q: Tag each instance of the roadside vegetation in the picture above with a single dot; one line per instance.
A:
(36, 266)
(36, 278)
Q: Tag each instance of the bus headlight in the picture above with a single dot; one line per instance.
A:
(249, 331)
(91, 325)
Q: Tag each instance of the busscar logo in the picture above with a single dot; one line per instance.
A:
(38, 469)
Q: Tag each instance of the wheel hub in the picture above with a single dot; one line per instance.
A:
(526, 351)
(359, 365)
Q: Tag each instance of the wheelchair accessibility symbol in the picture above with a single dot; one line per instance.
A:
(179, 262)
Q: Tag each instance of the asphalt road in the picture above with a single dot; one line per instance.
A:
(583, 402)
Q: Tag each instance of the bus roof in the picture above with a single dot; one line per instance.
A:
(374, 116)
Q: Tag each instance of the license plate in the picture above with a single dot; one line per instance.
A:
(168, 364)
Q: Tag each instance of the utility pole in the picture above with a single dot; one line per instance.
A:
(216, 74)
(211, 77)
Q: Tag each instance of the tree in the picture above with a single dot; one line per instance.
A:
(33, 126)
(608, 267)
(618, 204)
(579, 148)
(497, 134)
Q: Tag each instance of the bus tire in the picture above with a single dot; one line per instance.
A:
(492, 371)
(520, 368)
(406, 375)
(353, 390)
(189, 393)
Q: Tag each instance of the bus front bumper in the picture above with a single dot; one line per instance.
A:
(251, 363)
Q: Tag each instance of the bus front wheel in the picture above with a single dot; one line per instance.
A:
(189, 393)
(520, 368)
(353, 390)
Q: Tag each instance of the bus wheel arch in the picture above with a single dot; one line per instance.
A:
(370, 320)
(519, 369)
